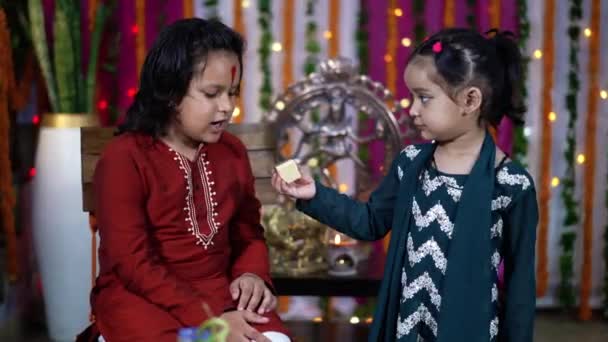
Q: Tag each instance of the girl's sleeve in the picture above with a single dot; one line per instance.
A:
(364, 221)
(126, 250)
(519, 261)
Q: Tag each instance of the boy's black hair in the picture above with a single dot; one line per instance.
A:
(464, 57)
(170, 66)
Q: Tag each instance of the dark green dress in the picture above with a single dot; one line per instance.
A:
(450, 234)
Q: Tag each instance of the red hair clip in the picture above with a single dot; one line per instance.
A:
(437, 47)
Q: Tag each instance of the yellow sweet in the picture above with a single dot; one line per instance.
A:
(289, 171)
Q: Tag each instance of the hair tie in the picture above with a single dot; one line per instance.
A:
(437, 47)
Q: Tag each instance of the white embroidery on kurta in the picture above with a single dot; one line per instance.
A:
(422, 314)
(424, 282)
(399, 172)
(504, 177)
(190, 208)
(431, 184)
(430, 248)
(494, 292)
(438, 213)
(209, 196)
(496, 230)
(501, 203)
(494, 328)
(411, 151)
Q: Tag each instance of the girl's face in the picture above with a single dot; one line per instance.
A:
(206, 109)
(433, 111)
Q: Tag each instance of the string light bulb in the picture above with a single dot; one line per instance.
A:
(554, 182)
(245, 3)
(131, 92)
(354, 320)
(388, 58)
(538, 54)
(603, 94)
(236, 112)
(398, 12)
(404, 103)
(343, 188)
(406, 42)
(552, 116)
(587, 32)
(276, 47)
(280, 105)
(328, 35)
(580, 158)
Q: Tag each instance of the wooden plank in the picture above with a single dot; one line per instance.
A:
(88, 204)
(94, 139)
(262, 162)
(89, 162)
(255, 136)
(265, 192)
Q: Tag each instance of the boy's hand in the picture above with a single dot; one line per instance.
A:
(252, 293)
(240, 328)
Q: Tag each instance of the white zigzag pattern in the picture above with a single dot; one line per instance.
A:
(435, 213)
(411, 151)
(501, 203)
(424, 282)
(431, 184)
(496, 230)
(494, 328)
(431, 248)
(422, 314)
(504, 177)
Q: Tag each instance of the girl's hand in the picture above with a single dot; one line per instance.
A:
(303, 188)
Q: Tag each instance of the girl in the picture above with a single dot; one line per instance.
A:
(177, 230)
(458, 207)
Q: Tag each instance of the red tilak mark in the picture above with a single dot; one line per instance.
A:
(233, 72)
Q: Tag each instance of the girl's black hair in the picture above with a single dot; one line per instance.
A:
(464, 57)
(169, 67)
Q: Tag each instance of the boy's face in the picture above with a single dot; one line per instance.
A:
(436, 115)
(207, 107)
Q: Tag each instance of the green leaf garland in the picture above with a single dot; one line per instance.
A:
(264, 50)
(571, 219)
(520, 142)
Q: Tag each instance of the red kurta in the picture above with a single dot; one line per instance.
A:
(174, 234)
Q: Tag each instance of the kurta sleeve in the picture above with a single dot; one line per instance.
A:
(520, 282)
(249, 251)
(364, 221)
(126, 250)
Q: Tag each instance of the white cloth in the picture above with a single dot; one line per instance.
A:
(275, 336)
(272, 335)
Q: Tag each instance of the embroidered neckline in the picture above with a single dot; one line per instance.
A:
(184, 164)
